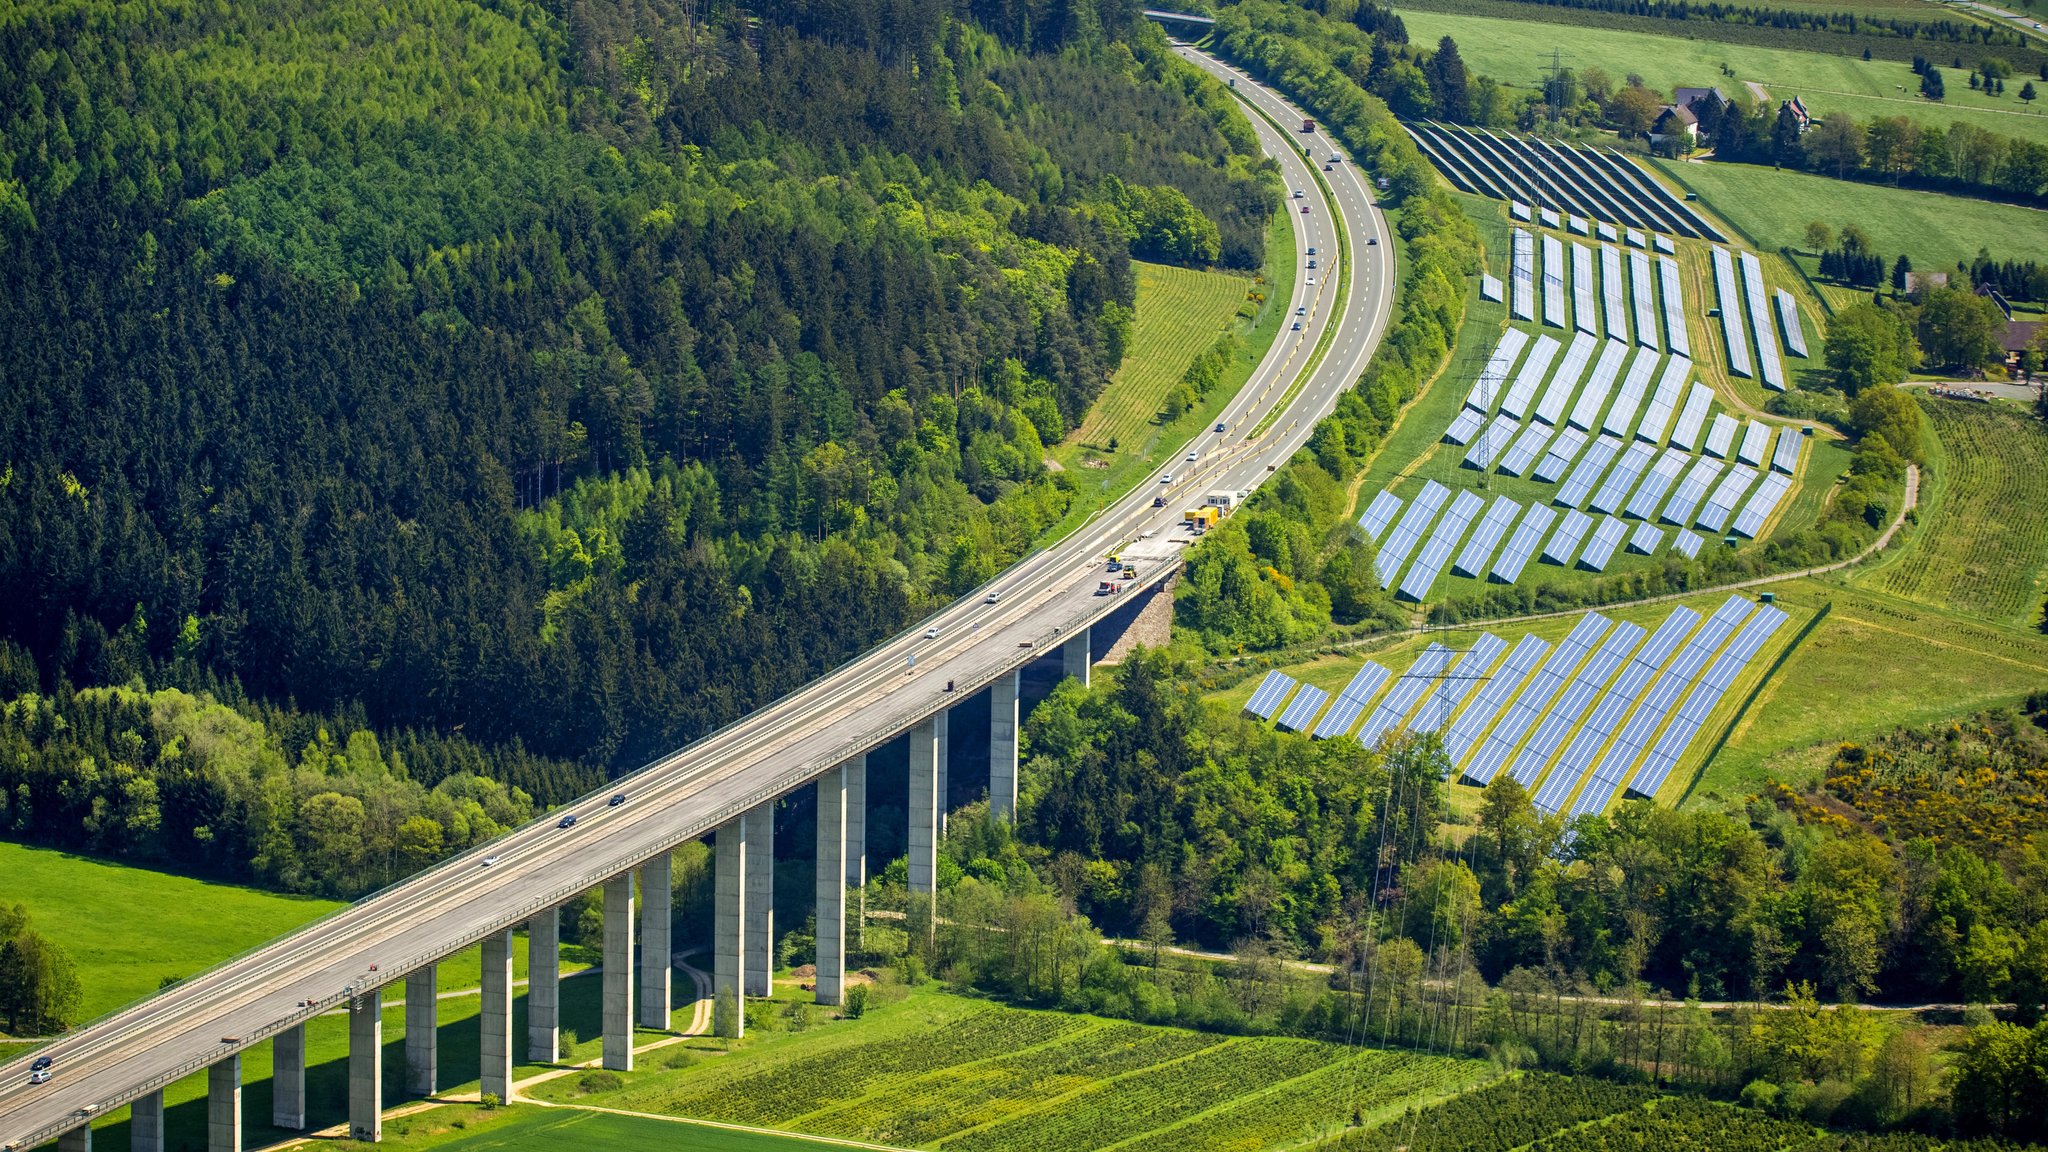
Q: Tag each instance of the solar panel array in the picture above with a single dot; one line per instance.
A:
(1720, 434)
(1521, 276)
(1621, 415)
(1646, 539)
(1465, 426)
(1721, 503)
(1530, 704)
(1268, 695)
(1379, 514)
(1564, 543)
(1486, 389)
(1601, 777)
(1664, 244)
(1579, 484)
(1435, 554)
(1701, 701)
(1764, 501)
(1656, 482)
(1788, 316)
(1635, 238)
(1785, 457)
(1490, 287)
(1565, 380)
(1352, 701)
(1563, 451)
(1523, 390)
(1565, 714)
(1664, 401)
(1756, 436)
(1408, 531)
(1583, 312)
(1760, 319)
(1302, 708)
(1459, 683)
(1599, 389)
(1522, 545)
(1610, 292)
(1409, 687)
(1606, 538)
(1674, 308)
(1687, 543)
(1526, 448)
(1553, 279)
(1519, 210)
(1646, 304)
(1491, 443)
(1634, 462)
(1493, 695)
(1731, 315)
(1692, 488)
(1686, 433)
(1478, 550)
(1549, 217)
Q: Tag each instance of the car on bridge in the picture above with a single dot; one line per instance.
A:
(932, 633)
(568, 821)
(39, 1072)
(617, 799)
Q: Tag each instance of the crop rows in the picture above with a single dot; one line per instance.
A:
(1504, 1115)
(781, 1092)
(1983, 547)
(1683, 1124)
(1303, 1108)
(935, 1106)
(1143, 1101)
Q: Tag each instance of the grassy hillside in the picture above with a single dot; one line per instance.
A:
(1774, 206)
(538, 1130)
(1181, 312)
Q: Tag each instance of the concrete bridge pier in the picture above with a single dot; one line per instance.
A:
(618, 973)
(224, 1105)
(422, 1032)
(942, 724)
(79, 1139)
(656, 896)
(924, 807)
(729, 906)
(1002, 745)
(544, 987)
(856, 771)
(495, 1043)
(831, 886)
(287, 1081)
(366, 1066)
(757, 956)
(1075, 657)
(146, 1122)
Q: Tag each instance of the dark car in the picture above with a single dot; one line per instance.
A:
(566, 821)
(617, 799)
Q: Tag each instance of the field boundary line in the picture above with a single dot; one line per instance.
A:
(725, 1127)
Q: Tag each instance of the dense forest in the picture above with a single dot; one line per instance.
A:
(539, 370)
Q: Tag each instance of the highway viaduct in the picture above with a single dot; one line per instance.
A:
(724, 785)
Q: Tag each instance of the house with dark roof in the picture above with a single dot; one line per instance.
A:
(1677, 124)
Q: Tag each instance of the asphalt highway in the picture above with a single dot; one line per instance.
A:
(1029, 610)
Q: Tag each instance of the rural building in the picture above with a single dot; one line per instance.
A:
(1676, 123)
(1918, 282)
(2019, 335)
(1799, 113)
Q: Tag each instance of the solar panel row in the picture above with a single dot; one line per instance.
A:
(1687, 432)
(1722, 502)
(1468, 422)
(1563, 451)
(1521, 276)
(1674, 307)
(1352, 700)
(1661, 476)
(1490, 443)
(1522, 545)
(1646, 539)
(1302, 708)
(1530, 704)
(1490, 287)
(1664, 401)
(1606, 538)
(1768, 363)
(1785, 457)
(1621, 415)
(1380, 513)
(1732, 328)
(1583, 312)
(1700, 702)
(1267, 696)
(1459, 682)
(1553, 280)
(1788, 315)
(1494, 376)
(1611, 494)
(1687, 543)
(1764, 501)
(1692, 488)
(1526, 448)
(1523, 390)
(1588, 471)
(1472, 558)
(1408, 688)
(1565, 380)
(1494, 693)
(1408, 531)
(1564, 715)
(1564, 543)
(1610, 712)
(1720, 434)
(1642, 723)
(1435, 554)
(1611, 290)
(1756, 436)
(1646, 304)
(1594, 398)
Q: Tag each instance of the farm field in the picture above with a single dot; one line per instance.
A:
(552, 1129)
(1982, 544)
(1774, 207)
(1515, 53)
(1007, 1078)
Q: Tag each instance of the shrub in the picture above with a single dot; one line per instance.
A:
(593, 1083)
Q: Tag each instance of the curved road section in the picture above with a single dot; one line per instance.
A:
(1031, 608)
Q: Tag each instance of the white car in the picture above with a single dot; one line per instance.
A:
(1166, 479)
(1311, 281)
(1297, 193)
(1193, 456)
(992, 598)
(488, 861)
(932, 633)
